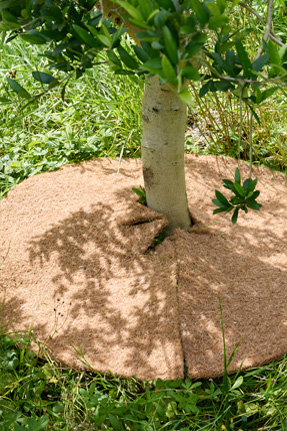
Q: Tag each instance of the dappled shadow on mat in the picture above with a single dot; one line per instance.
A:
(78, 257)
(103, 293)
(110, 284)
(245, 266)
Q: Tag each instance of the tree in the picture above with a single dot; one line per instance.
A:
(176, 41)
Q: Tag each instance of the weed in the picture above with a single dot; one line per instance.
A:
(141, 193)
(244, 197)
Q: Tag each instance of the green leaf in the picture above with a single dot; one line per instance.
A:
(131, 10)
(141, 53)
(216, 22)
(205, 88)
(7, 4)
(255, 194)
(219, 210)
(235, 349)
(85, 36)
(114, 58)
(160, 19)
(238, 382)
(223, 64)
(166, 4)
(243, 57)
(105, 40)
(200, 12)
(230, 59)
(34, 37)
(18, 89)
(223, 85)
(237, 176)
(34, 424)
(239, 190)
(234, 4)
(235, 200)
(190, 72)
(193, 48)
(10, 19)
(253, 205)
(51, 12)
(222, 198)
(275, 59)
(249, 184)
(139, 24)
(222, 5)
(235, 216)
(220, 204)
(126, 58)
(169, 71)
(117, 35)
(213, 8)
(115, 422)
(145, 8)
(43, 77)
(153, 62)
(260, 62)
(228, 184)
(137, 191)
(170, 45)
(255, 115)
(274, 53)
(267, 93)
(185, 96)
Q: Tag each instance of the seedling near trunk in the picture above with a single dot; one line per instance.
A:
(244, 197)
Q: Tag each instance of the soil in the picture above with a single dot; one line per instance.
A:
(77, 268)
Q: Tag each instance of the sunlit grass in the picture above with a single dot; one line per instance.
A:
(39, 394)
(99, 117)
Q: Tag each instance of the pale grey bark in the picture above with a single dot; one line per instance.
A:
(164, 118)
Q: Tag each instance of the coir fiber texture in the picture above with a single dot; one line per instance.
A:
(77, 267)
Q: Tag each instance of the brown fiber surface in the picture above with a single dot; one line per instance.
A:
(76, 268)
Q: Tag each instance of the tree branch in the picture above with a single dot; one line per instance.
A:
(272, 34)
(267, 28)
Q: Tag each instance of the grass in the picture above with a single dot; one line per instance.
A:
(100, 117)
(37, 394)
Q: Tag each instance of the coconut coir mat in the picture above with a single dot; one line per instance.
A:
(77, 267)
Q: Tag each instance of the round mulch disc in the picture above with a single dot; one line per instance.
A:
(77, 268)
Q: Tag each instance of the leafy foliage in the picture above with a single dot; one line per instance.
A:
(244, 197)
(141, 193)
(177, 39)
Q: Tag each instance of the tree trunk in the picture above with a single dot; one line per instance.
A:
(164, 118)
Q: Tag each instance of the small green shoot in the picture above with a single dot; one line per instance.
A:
(244, 197)
(141, 193)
